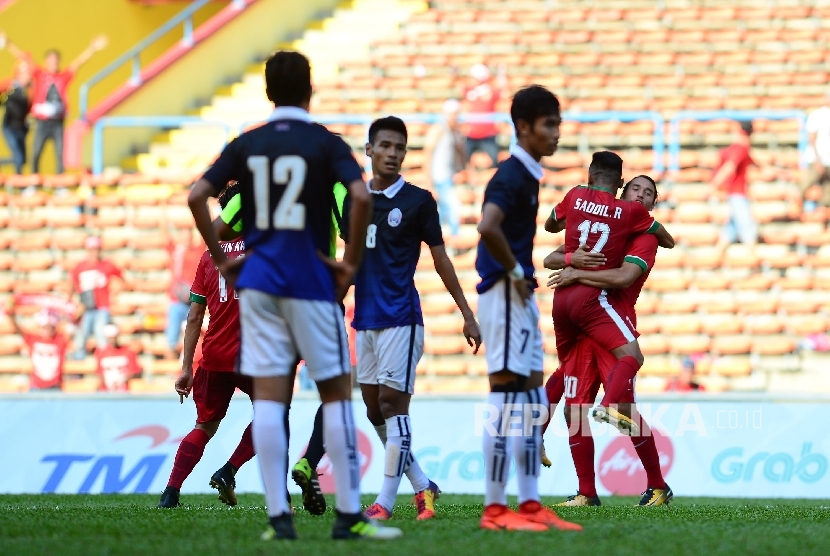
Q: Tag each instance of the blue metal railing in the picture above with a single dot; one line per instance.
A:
(674, 126)
(142, 121)
(658, 145)
(133, 56)
(659, 142)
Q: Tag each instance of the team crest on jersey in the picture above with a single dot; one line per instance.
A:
(395, 217)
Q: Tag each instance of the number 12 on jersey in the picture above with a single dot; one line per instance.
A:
(288, 171)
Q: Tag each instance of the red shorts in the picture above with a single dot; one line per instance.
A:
(588, 366)
(212, 392)
(585, 311)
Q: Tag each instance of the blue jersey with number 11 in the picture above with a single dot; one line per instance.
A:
(287, 170)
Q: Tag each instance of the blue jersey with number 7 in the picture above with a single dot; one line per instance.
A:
(287, 170)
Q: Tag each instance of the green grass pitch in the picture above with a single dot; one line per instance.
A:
(91, 525)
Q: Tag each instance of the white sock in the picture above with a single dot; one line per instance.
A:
(497, 453)
(527, 451)
(398, 442)
(340, 437)
(417, 478)
(271, 445)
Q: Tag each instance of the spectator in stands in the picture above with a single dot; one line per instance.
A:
(184, 258)
(818, 155)
(14, 94)
(730, 177)
(91, 278)
(116, 364)
(685, 381)
(443, 158)
(46, 347)
(481, 97)
(49, 95)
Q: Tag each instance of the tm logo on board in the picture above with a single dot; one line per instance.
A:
(117, 475)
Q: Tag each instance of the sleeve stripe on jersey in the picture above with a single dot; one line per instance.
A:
(654, 227)
(196, 298)
(634, 259)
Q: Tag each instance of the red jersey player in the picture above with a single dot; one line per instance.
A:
(593, 216)
(215, 380)
(589, 364)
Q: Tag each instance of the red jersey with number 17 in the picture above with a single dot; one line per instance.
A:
(596, 218)
(221, 343)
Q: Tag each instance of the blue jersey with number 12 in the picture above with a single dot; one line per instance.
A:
(287, 170)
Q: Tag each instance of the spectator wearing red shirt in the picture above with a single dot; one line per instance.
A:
(481, 97)
(116, 365)
(47, 349)
(49, 95)
(730, 178)
(91, 278)
(184, 258)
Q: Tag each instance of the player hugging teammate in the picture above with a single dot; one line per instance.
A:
(614, 244)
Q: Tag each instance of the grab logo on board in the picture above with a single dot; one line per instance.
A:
(115, 472)
(620, 469)
(326, 472)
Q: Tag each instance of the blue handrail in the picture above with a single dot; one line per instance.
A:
(133, 55)
(659, 144)
(142, 121)
(674, 127)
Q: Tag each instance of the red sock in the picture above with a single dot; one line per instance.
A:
(555, 389)
(245, 451)
(187, 456)
(621, 380)
(582, 452)
(647, 450)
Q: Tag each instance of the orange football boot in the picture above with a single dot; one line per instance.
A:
(501, 518)
(537, 513)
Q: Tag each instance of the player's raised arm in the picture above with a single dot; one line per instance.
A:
(197, 201)
(664, 238)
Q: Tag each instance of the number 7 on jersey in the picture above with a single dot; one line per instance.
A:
(288, 171)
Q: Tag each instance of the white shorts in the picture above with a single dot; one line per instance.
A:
(510, 330)
(389, 356)
(277, 331)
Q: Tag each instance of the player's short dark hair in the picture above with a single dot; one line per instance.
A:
(389, 123)
(645, 177)
(287, 78)
(746, 126)
(230, 191)
(531, 103)
(606, 167)
(52, 51)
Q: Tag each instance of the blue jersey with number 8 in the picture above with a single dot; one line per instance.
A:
(287, 170)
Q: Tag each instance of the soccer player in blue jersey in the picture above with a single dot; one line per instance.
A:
(388, 319)
(509, 316)
(288, 289)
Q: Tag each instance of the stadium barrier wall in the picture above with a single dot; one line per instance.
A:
(747, 446)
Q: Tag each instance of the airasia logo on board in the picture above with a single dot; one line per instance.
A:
(326, 471)
(620, 469)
